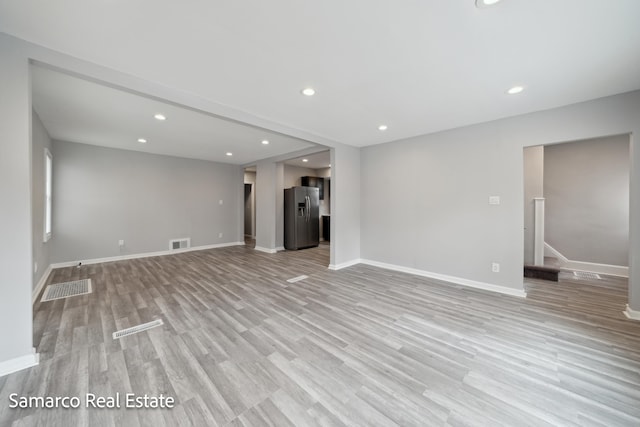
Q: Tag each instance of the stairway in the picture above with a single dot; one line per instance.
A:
(549, 271)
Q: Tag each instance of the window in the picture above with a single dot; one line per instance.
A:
(48, 178)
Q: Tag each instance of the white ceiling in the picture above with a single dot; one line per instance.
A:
(419, 66)
(314, 161)
(77, 110)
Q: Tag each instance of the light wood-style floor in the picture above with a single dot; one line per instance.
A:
(359, 347)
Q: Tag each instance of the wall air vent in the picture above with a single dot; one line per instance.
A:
(183, 243)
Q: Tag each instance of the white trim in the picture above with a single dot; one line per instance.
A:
(632, 314)
(452, 279)
(592, 267)
(279, 248)
(144, 255)
(266, 250)
(36, 291)
(345, 264)
(19, 363)
(550, 251)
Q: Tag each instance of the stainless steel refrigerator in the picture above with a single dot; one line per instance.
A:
(301, 217)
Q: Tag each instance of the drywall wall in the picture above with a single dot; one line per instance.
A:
(345, 206)
(104, 195)
(266, 188)
(586, 187)
(249, 177)
(16, 325)
(40, 141)
(279, 206)
(437, 187)
(533, 187)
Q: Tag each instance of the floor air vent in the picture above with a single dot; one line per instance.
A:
(586, 275)
(135, 329)
(67, 289)
(180, 243)
(297, 279)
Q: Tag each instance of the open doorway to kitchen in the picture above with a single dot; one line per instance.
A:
(313, 170)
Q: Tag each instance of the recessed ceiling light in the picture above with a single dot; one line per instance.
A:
(160, 117)
(305, 160)
(485, 3)
(383, 127)
(142, 140)
(309, 91)
(514, 90)
(265, 142)
(229, 153)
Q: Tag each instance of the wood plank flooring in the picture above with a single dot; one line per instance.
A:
(358, 347)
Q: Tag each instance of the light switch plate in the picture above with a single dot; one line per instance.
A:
(494, 200)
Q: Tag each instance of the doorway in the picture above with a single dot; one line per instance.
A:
(577, 204)
(249, 206)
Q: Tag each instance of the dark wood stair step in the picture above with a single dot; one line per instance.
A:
(541, 272)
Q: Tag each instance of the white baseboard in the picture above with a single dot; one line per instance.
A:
(19, 363)
(36, 291)
(279, 248)
(265, 250)
(632, 314)
(344, 264)
(592, 267)
(144, 255)
(452, 279)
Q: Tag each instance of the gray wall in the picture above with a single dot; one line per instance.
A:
(16, 255)
(103, 195)
(279, 206)
(533, 187)
(40, 140)
(266, 211)
(345, 205)
(586, 186)
(437, 188)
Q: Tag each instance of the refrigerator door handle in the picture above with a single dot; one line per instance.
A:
(308, 202)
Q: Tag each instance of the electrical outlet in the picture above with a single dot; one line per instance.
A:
(494, 200)
(219, 235)
(35, 267)
(495, 267)
(120, 242)
(220, 201)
